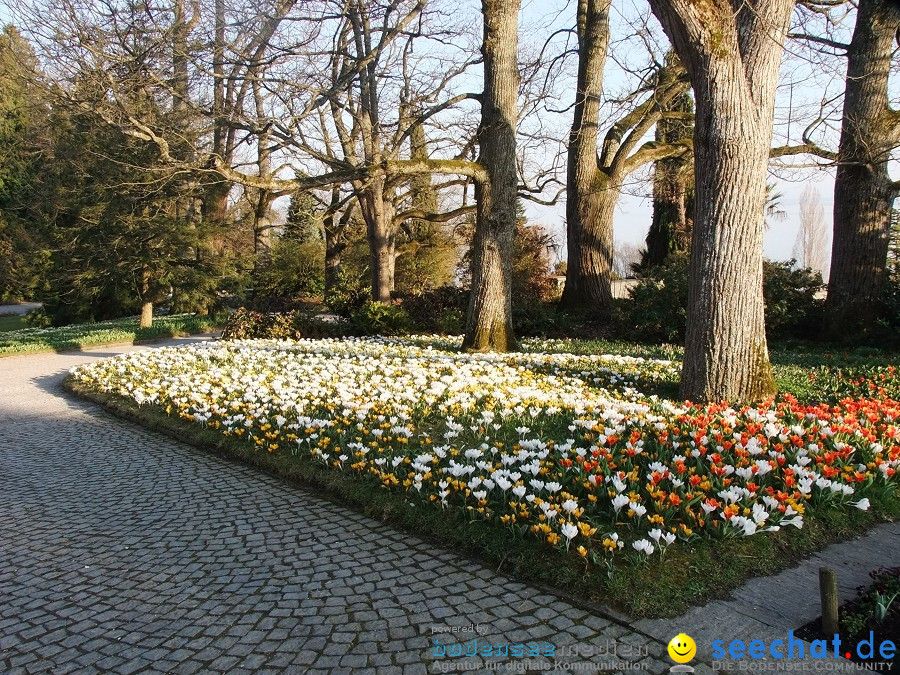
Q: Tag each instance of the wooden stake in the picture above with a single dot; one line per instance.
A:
(828, 592)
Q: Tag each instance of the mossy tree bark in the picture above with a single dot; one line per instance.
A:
(863, 191)
(489, 319)
(732, 52)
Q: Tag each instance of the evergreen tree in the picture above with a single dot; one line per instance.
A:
(304, 219)
(23, 141)
(118, 242)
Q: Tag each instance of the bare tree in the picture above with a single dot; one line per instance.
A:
(811, 245)
(595, 179)
(863, 191)
(673, 189)
(732, 51)
(357, 114)
(627, 256)
(489, 320)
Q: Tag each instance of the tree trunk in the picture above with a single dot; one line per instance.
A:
(422, 193)
(146, 314)
(863, 191)
(378, 211)
(733, 60)
(589, 235)
(215, 198)
(146, 303)
(180, 81)
(489, 318)
(334, 228)
(332, 267)
(593, 250)
(262, 229)
(670, 227)
(262, 213)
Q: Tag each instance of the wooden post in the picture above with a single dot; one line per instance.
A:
(828, 592)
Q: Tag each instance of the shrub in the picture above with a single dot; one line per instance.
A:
(439, 310)
(427, 256)
(886, 328)
(350, 292)
(247, 323)
(792, 309)
(657, 309)
(532, 281)
(293, 271)
(380, 318)
(38, 318)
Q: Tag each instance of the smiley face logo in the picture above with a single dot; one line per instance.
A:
(682, 648)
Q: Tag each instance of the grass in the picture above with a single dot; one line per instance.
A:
(12, 322)
(793, 364)
(78, 336)
(662, 587)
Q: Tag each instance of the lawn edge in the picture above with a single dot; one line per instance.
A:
(342, 491)
(117, 343)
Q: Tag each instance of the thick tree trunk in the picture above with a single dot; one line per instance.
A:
(422, 192)
(215, 211)
(262, 232)
(215, 197)
(726, 355)
(589, 286)
(589, 232)
(489, 319)
(377, 208)
(733, 60)
(863, 191)
(262, 212)
(180, 81)
(334, 228)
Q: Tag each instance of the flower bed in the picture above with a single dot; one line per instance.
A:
(559, 448)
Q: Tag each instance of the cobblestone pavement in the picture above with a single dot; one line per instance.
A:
(123, 551)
